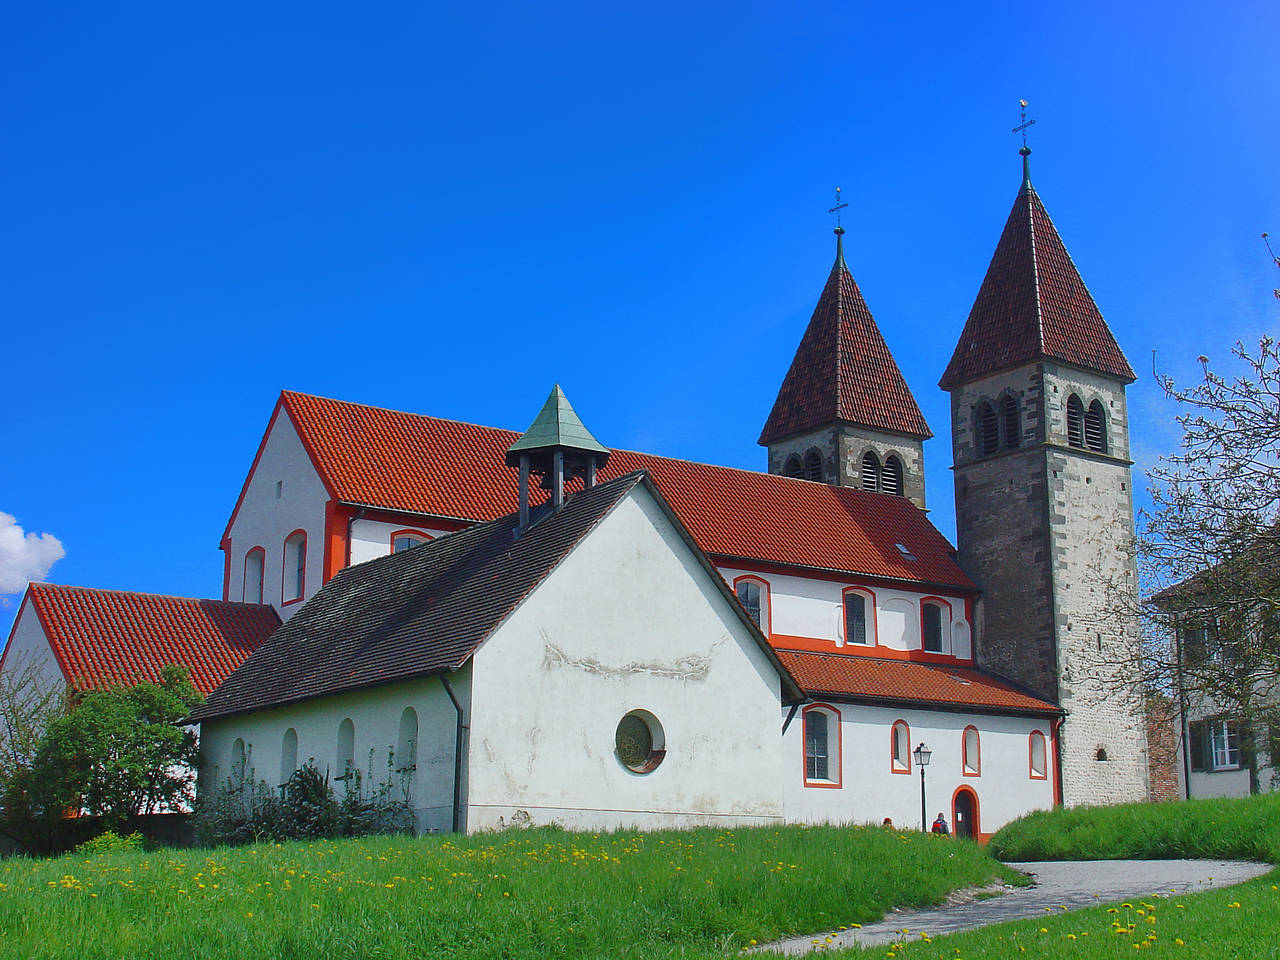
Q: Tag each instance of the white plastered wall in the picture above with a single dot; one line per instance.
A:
(372, 538)
(869, 790)
(265, 519)
(28, 648)
(812, 608)
(375, 714)
(629, 620)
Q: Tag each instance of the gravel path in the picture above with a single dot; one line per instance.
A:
(1070, 884)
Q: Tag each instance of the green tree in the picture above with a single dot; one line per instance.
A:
(118, 752)
(28, 701)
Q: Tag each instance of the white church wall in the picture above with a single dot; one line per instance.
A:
(375, 714)
(284, 494)
(629, 620)
(28, 649)
(813, 608)
(869, 790)
(372, 538)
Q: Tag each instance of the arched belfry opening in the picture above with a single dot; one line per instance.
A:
(558, 448)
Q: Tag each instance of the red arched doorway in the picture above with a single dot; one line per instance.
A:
(964, 814)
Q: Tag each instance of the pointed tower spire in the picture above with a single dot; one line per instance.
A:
(559, 447)
(1032, 304)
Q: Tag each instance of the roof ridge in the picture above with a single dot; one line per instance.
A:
(1035, 264)
(44, 584)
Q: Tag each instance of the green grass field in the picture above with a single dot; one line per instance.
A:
(536, 893)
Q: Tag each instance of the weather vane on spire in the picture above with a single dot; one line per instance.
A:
(836, 210)
(1022, 128)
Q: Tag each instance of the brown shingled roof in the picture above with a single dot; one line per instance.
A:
(843, 370)
(1033, 304)
(107, 637)
(869, 679)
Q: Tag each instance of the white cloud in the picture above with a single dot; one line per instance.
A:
(25, 556)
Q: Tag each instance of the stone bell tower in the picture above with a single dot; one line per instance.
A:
(1044, 499)
(844, 414)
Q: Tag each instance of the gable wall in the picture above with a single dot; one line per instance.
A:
(29, 644)
(264, 520)
(630, 619)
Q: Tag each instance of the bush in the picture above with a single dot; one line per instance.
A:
(108, 841)
(247, 811)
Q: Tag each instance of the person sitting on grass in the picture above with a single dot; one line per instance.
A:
(940, 825)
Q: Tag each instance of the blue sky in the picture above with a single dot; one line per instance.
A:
(446, 209)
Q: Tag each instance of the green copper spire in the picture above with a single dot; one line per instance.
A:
(1026, 166)
(556, 425)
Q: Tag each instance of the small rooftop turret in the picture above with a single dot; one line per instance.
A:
(558, 447)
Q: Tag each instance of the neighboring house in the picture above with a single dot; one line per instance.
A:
(80, 638)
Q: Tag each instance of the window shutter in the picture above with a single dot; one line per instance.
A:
(1197, 735)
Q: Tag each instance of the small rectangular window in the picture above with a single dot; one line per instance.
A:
(1225, 745)
(816, 766)
(932, 617)
(855, 618)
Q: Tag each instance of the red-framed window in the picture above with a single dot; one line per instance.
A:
(406, 539)
(970, 752)
(293, 579)
(859, 619)
(753, 593)
(255, 567)
(900, 747)
(1037, 756)
(822, 763)
(935, 625)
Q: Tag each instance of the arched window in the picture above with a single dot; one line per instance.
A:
(1075, 421)
(753, 594)
(294, 576)
(254, 564)
(900, 747)
(870, 471)
(859, 626)
(793, 468)
(346, 750)
(821, 746)
(1095, 428)
(1039, 757)
(238, 761)
(813, 465)
(288, 755)
(891, 478)
(931, 620)
(406, 759)
(971, 753)
(405, 539)
(988, 430)
(1012, 418)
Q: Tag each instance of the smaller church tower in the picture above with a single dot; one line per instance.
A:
(559, 449)
(844, 414)
(1044, 498)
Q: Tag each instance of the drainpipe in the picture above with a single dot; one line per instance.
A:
(457, 754)
(1057, 760)
(351, 522)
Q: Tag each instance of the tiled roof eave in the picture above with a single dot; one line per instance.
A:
(944, 706)
(953, 382)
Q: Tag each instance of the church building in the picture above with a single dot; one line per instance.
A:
(537, 626)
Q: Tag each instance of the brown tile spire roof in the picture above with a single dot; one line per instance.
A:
(1033, 305)
(843, 371)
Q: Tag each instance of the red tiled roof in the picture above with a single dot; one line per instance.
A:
(408, 462)
(1033, 304)
(103, 637)
(868, 678)
(843, 370)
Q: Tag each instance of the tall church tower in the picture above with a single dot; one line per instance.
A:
(1044, 499)
(844, 414)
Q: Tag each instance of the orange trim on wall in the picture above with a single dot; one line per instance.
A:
(767, 626)
(781, 641)
(873, 635)
(964, 752)
(833, 714)
(225, 547)
(1031, 755)
(302, 566)
(893, 767)
(337, 547)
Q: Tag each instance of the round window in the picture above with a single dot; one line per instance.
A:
(639, 741)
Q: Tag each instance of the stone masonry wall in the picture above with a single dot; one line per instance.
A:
(824, 441)
(854, 442)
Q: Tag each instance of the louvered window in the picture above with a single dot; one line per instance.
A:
(1075, 421)
(1095, 428)
(891, 477)
(870, 471)
(1012, 423)
(988, 430)
(794, 468)
(816, 766)
(855, 618)
(813, 465)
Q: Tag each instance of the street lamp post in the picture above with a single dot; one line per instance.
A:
(923, 754)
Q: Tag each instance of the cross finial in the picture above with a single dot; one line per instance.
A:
(836, 210)
(1025, 152)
